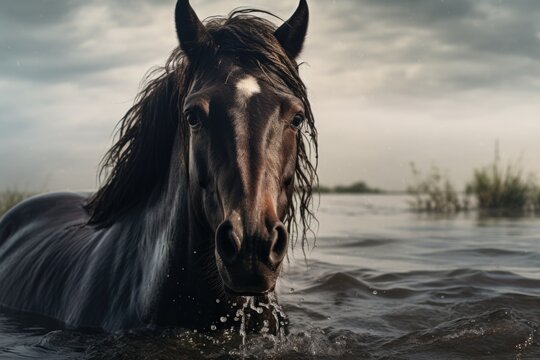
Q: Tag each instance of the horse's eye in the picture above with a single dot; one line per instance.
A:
(298, 120)
(193, 119)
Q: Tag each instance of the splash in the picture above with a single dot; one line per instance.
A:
(243, 315)
(250, 309)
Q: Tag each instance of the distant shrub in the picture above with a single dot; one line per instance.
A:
(433, 193)
(358, 187)
(10, 198)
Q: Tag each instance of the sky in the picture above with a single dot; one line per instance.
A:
(434, 82)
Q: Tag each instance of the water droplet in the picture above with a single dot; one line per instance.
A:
(213, 327)
(217, 301)
(375, 292)
(267, 306)
(223, 319)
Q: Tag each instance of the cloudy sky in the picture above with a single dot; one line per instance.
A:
(391, 81)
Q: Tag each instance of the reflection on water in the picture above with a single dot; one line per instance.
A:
(382, 283)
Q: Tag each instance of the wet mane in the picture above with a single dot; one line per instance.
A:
(136, 168)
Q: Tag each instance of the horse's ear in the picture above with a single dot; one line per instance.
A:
(292, 33)
(190, 30)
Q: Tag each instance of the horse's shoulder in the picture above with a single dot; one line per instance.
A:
(48, 207)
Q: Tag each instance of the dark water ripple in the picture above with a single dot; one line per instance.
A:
(382, 283)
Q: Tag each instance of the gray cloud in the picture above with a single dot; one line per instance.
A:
(35, 14)
(58, 40)
(424, 48)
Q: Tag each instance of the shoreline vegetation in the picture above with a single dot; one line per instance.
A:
(494, 189)
(358, 187)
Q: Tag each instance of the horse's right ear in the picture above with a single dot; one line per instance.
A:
(292, 33)
(190, 30)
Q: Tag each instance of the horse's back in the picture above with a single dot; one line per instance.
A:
(47, 206)
(50, 210)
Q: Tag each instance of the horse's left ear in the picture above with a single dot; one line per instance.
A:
(292, 33)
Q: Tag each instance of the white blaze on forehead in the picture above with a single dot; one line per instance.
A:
(248, 86)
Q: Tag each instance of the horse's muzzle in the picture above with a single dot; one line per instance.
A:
(250, 265)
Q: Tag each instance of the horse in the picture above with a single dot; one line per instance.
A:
(208, 183)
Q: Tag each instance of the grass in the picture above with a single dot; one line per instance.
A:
(497, 190)
(10, 198)
(505, 190)
(434, 193)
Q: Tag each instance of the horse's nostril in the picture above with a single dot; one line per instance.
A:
(278, 247)
(227, 243)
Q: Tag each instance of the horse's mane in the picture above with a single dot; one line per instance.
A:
(135, 169)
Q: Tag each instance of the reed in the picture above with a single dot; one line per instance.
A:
(498, 189)
(434, 193)
(504, 189)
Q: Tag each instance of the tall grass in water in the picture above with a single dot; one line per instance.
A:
(433, 193)
(495, 189)
(498, 189)
(10, 198)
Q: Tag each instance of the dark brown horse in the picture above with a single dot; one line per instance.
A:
(208, 180)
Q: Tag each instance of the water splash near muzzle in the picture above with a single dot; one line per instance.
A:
(273, 321)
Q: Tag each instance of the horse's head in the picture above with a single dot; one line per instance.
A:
(245, 108)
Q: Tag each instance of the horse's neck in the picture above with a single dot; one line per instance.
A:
(156, 233)
(173, 250)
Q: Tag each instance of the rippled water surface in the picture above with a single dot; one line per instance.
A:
(382, 283)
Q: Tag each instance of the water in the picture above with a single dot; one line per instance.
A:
(382, 283)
